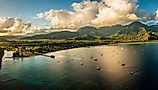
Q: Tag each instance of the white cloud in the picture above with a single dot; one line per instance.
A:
(103, 13)
(156, 17)
(13, 26)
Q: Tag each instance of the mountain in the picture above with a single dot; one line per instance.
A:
(54, 35)
(87, 30)
(92, 32)
(7, 38)
(153, 28)
(3, 40)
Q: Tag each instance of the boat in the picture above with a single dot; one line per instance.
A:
(52, 56)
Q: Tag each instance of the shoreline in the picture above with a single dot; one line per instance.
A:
(119, 43)
(139, 42)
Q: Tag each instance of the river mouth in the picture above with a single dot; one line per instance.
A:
(118, 67)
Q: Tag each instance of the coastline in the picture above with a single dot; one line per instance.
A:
(31, 54)
(131, 43)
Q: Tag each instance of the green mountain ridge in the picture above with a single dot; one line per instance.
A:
(3, 40)
(92, 33)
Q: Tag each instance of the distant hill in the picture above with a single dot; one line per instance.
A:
(54, 35)
(92, 32)
(87, 30)
(3, 40)
(7, 38)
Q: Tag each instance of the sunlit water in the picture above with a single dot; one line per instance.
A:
(120, 67)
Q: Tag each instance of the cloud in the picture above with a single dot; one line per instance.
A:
(156, 17)
(150, 22)
(13, 26)
(145, 16)
(148, 18)
(93, 13)
(116, 12)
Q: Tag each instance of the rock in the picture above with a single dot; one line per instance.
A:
(101, 54)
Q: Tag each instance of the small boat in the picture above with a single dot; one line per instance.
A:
(52, 56)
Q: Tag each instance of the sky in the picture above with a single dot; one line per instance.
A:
(148, 5)
(26, 9)
(29, 10)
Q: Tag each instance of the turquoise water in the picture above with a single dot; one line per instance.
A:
(118, 67)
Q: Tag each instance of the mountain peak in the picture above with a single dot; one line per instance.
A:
(137, 24)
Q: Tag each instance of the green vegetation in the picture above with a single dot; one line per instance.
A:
(26, 48)
(141, 35)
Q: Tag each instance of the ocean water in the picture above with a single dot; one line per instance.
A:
(112, 67)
